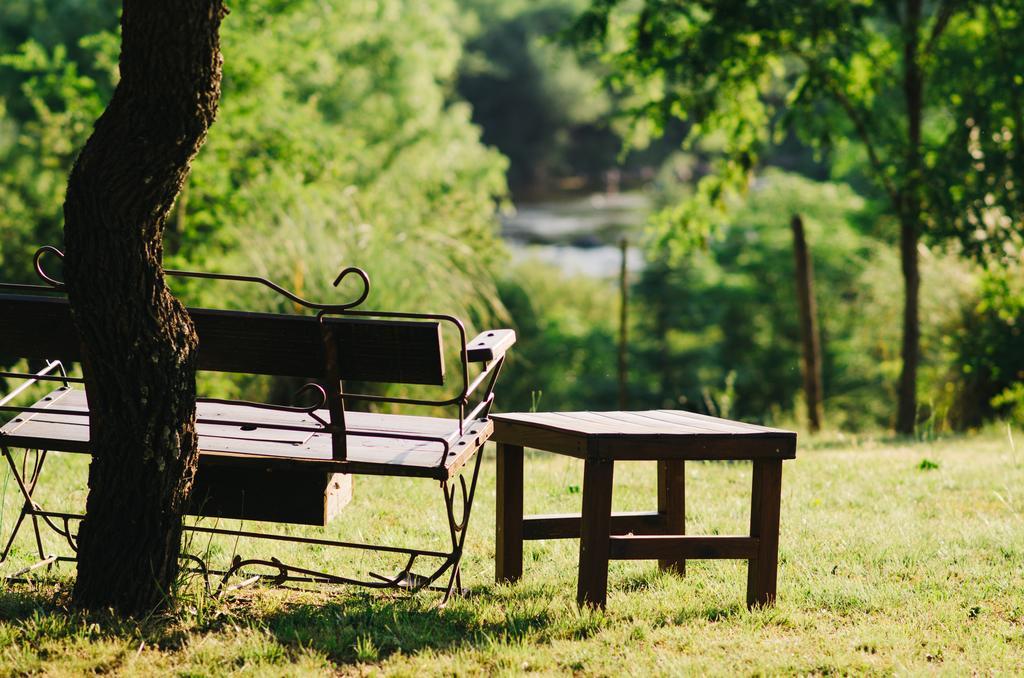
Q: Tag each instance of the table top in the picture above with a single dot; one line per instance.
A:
(652, 434)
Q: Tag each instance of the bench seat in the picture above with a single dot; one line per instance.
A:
(247, 442)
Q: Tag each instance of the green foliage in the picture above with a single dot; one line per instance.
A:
(565, 352)
(341, 149)
(532, 96)
(975, 161)
(733, 310)
(47, 108)
(53, 23)
(989, 350)
(841, 75)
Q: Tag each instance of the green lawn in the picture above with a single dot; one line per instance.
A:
(888, 565)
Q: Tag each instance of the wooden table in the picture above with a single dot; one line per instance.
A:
(669, 437)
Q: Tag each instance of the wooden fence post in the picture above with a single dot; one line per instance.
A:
(808, 326)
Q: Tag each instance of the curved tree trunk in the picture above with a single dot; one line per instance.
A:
(138, 343)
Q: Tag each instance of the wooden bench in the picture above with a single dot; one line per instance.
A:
(264, 462)
(669, 437)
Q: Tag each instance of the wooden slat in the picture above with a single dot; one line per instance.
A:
(567, 525)
(538, 437)
(75, 399)
(642, 547)
(205, 431)
(603, 423)
(477, 433)
(37, 327)
(365, 454)
(376, 350)
(665, 423)
(694, 416)
(64, 437)
(392, 351)
(586, 422)
(55, 399)
(295, 495)
(646, 424)
(429, 426)
(265, 447)
(708, 447)
(490, 345)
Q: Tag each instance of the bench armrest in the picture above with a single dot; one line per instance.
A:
(490, 345)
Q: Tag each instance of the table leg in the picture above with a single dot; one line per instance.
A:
(508, 537)
(672, 507)
(595, 528)
(764, 524)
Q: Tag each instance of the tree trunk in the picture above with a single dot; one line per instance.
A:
(910, 218)
(138, 343)
(808, 326)
(906, 418)
(624, 327)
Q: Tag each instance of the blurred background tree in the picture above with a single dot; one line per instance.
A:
(540, 103)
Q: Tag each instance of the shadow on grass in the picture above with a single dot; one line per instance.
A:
(347, 627)
(20, 603)
(36, 615)
(368, 626)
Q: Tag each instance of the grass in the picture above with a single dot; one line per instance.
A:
(888, 565)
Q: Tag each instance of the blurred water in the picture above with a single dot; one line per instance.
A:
(579, 235)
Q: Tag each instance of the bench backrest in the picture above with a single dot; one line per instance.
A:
(377, 350)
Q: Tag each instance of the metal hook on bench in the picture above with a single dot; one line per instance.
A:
(362, 276)
(38, 265)
(311, 410)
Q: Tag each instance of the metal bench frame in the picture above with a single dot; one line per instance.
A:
(458, 497)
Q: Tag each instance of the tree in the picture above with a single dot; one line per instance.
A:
(533, 99)
(925, 97)
(138, 343)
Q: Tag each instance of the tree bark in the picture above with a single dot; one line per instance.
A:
(624, 327)
(809, 336)
(138, 343)
(906, 418)
(910, 218)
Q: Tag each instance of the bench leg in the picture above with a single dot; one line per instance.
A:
(595, 528)
(672, 507)
(27, 485)
(508, 557)
(460, 529)
(766, 496)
